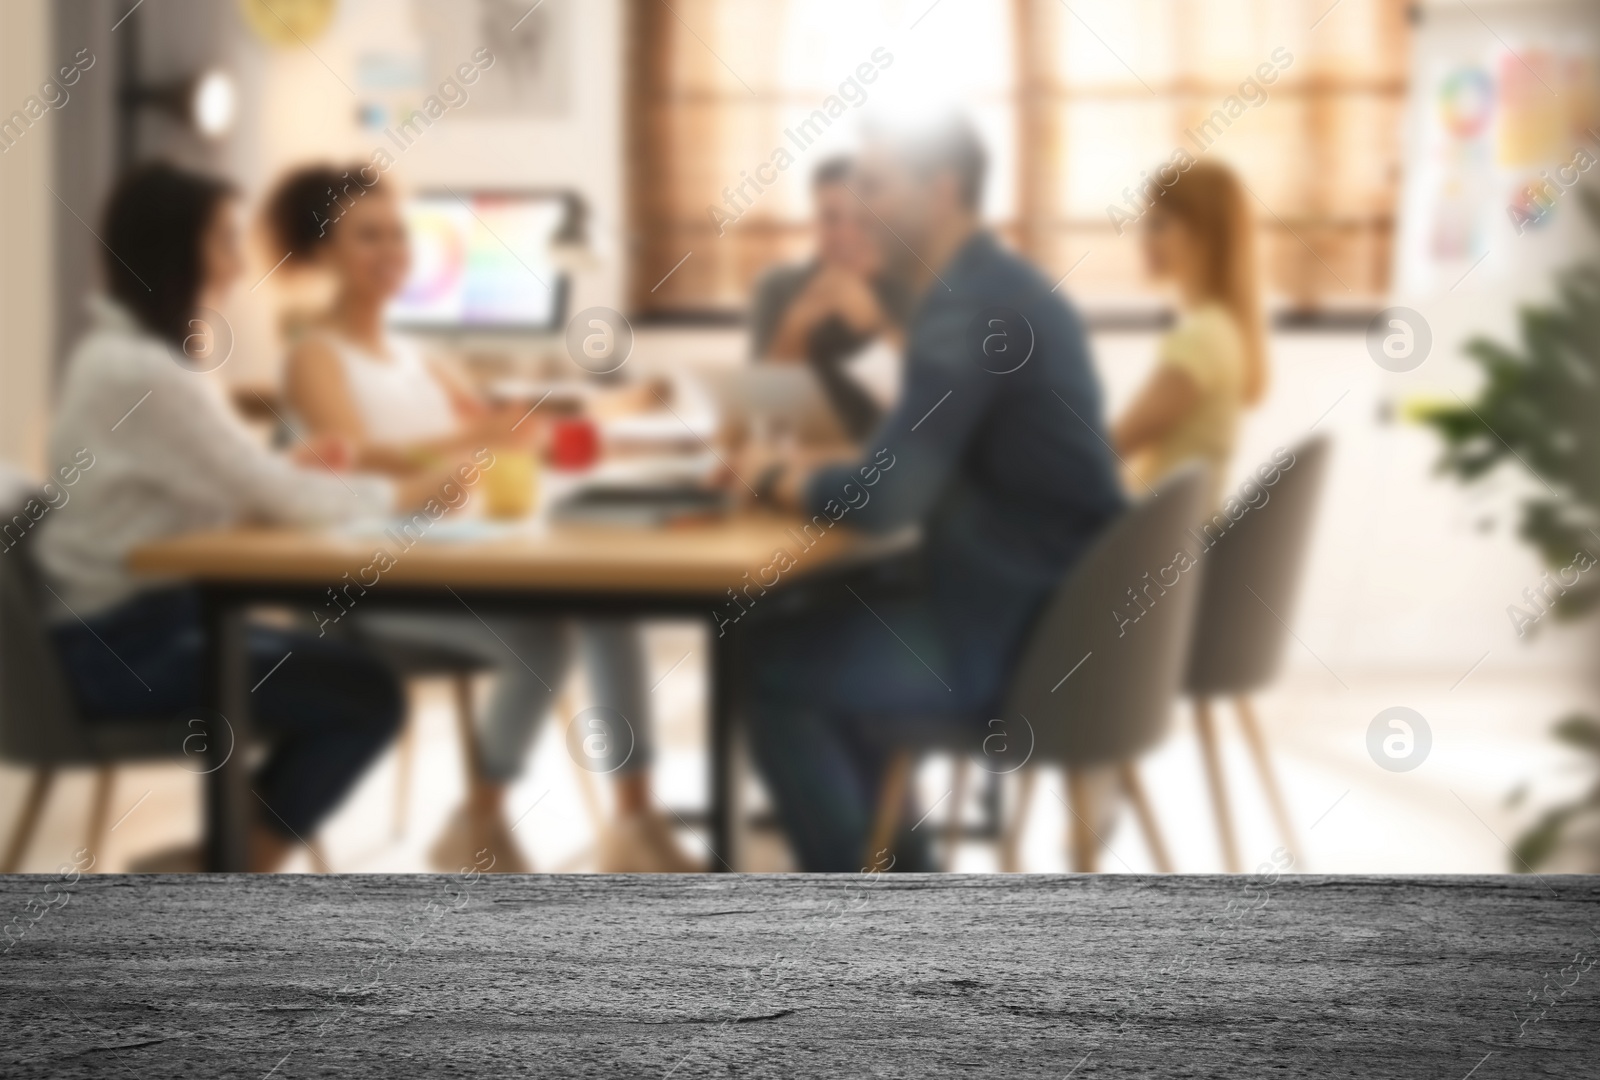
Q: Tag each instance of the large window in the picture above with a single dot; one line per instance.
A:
(1080, 100)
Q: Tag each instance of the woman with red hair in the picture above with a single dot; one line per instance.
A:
(1199, 239)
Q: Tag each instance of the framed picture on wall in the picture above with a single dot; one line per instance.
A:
(531, 43)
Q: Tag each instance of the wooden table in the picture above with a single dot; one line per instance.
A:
(913, 976)
(681, 571)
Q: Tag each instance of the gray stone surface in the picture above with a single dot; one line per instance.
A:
(785, 976)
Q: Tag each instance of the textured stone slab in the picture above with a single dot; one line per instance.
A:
(890, 975)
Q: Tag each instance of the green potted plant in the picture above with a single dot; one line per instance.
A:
(1539, 410)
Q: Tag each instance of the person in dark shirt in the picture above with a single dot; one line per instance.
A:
(996, 450)
(824, 311)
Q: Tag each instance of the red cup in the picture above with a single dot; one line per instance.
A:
(574, 443)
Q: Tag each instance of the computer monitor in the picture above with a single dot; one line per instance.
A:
(482, 262)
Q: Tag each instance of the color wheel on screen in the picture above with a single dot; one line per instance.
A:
(483, 261)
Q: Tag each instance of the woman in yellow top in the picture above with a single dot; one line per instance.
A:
(1198, 238)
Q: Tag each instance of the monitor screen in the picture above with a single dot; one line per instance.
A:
(482, 262)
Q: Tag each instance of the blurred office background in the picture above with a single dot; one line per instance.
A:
(1383, 158)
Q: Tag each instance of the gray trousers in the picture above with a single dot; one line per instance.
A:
(531, 657)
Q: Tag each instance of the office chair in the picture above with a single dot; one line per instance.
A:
(1251, 580)
(40, 725)
(1097, 679)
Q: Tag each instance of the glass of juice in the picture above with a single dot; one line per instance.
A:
(511, 484)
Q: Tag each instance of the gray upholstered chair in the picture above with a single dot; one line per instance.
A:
(1252, 576)
(1096, 682)
(40, 726)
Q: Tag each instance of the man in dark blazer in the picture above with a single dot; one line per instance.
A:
(996, 451)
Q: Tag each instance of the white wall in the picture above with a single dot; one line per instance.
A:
(1439, 563)
(26, 266)
(293, 110)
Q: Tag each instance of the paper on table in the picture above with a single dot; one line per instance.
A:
(691, 416)
(449, 529)
(879, 371)
(661, 470)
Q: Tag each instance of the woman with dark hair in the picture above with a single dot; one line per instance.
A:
(350, 378)
(163, 216)
(171, 456)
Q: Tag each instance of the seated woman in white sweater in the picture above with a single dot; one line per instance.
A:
(351, 379)
(170, 456)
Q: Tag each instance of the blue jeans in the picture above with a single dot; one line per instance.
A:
(837, 683)
(328, 710)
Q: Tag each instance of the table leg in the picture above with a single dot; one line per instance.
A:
(227, 668)
(724, 783)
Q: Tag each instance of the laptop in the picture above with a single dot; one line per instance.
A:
(774, 399)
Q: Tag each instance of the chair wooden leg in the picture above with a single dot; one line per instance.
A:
(958, 799)
(32, 805)
(100, 811)
(588, 788)
(1210, 752)
(1084, 846)
(405, 750)
(319, 857)
(896, 782)
(591, 797)
(1133, 787)
(1011, 831)
(466, 733)
(1269, 780)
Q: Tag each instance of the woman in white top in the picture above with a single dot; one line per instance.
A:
(349, 378)
(167, 455)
